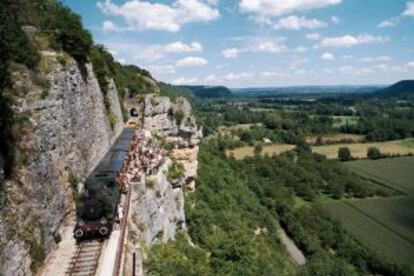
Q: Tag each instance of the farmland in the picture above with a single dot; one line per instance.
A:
(339, 121)
(379, 232)
(385, 225)
(241, 153)
(336, 138)
(358, 150)
(388, 172)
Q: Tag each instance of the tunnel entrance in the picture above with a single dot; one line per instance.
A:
(133, 112)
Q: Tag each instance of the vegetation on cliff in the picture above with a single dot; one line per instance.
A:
(14, 48)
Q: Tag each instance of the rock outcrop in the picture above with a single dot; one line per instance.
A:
(157, 207)
(174, 122)
(65, 131)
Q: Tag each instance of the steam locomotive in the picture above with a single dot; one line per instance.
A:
(96, 210)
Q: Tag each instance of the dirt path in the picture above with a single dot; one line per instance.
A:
(291, 247)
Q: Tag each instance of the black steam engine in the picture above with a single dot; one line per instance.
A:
(97, 207)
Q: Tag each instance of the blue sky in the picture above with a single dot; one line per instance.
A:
(244, 43)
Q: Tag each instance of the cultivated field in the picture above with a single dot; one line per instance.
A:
(358, 150)
(388, 234)
(385, 225)
(241, 153)
(398, 173)
(339, 121)
(227, 130)
(336, 138)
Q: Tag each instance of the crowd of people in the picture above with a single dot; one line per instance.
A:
(145, 157)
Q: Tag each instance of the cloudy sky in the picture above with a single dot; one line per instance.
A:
(244, 43)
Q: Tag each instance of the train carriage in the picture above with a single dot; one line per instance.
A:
(97, 206)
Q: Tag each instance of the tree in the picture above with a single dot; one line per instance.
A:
(258, 149)
(374, 153)
(344, 154)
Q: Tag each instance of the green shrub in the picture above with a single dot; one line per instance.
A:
(176, 171)
(74, 182)
(344, 154)
(149, 182)
(374, 153)
(66, 30)
(179, 116)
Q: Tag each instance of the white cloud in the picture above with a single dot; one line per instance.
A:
(237, 76)
(298, 62)
(271, 47)
(162, 69)
(300, 49)
(109, 26)
(231, 53)
(383, 67)
(409, 9)
(410, 64)
(180, 47)
(184, 81)
(327, 56)
(142, 15)
(153, 52)
(191, 62)
(211, 79)
(376, 59)
(228, 78)
(394, 21)
(300, 72)
(282, 7)
(389, 22)
(296, 23)
(271, 74)
(349, 40)
(313, 36)
(346, 69)
(335, 20)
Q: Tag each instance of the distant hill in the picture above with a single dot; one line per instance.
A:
(402, 89)
(306, 90)
(209, 91)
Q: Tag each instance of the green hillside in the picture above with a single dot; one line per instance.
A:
(403, 89)
(209, 91)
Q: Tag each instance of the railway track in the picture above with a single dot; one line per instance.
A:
(85, 259)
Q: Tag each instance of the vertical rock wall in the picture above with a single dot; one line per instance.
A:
(66, 130)
(157, 210)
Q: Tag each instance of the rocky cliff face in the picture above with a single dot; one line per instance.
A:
(65, 131)
(157, 210)
(174, 122)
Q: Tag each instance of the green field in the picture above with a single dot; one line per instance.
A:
(385, 225)
(339, 121)
(398, 173)
(382, 233)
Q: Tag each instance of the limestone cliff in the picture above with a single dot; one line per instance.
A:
(157, 207)
(174, 122)
(64, 131)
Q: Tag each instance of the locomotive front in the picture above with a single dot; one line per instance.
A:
(98, 203)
